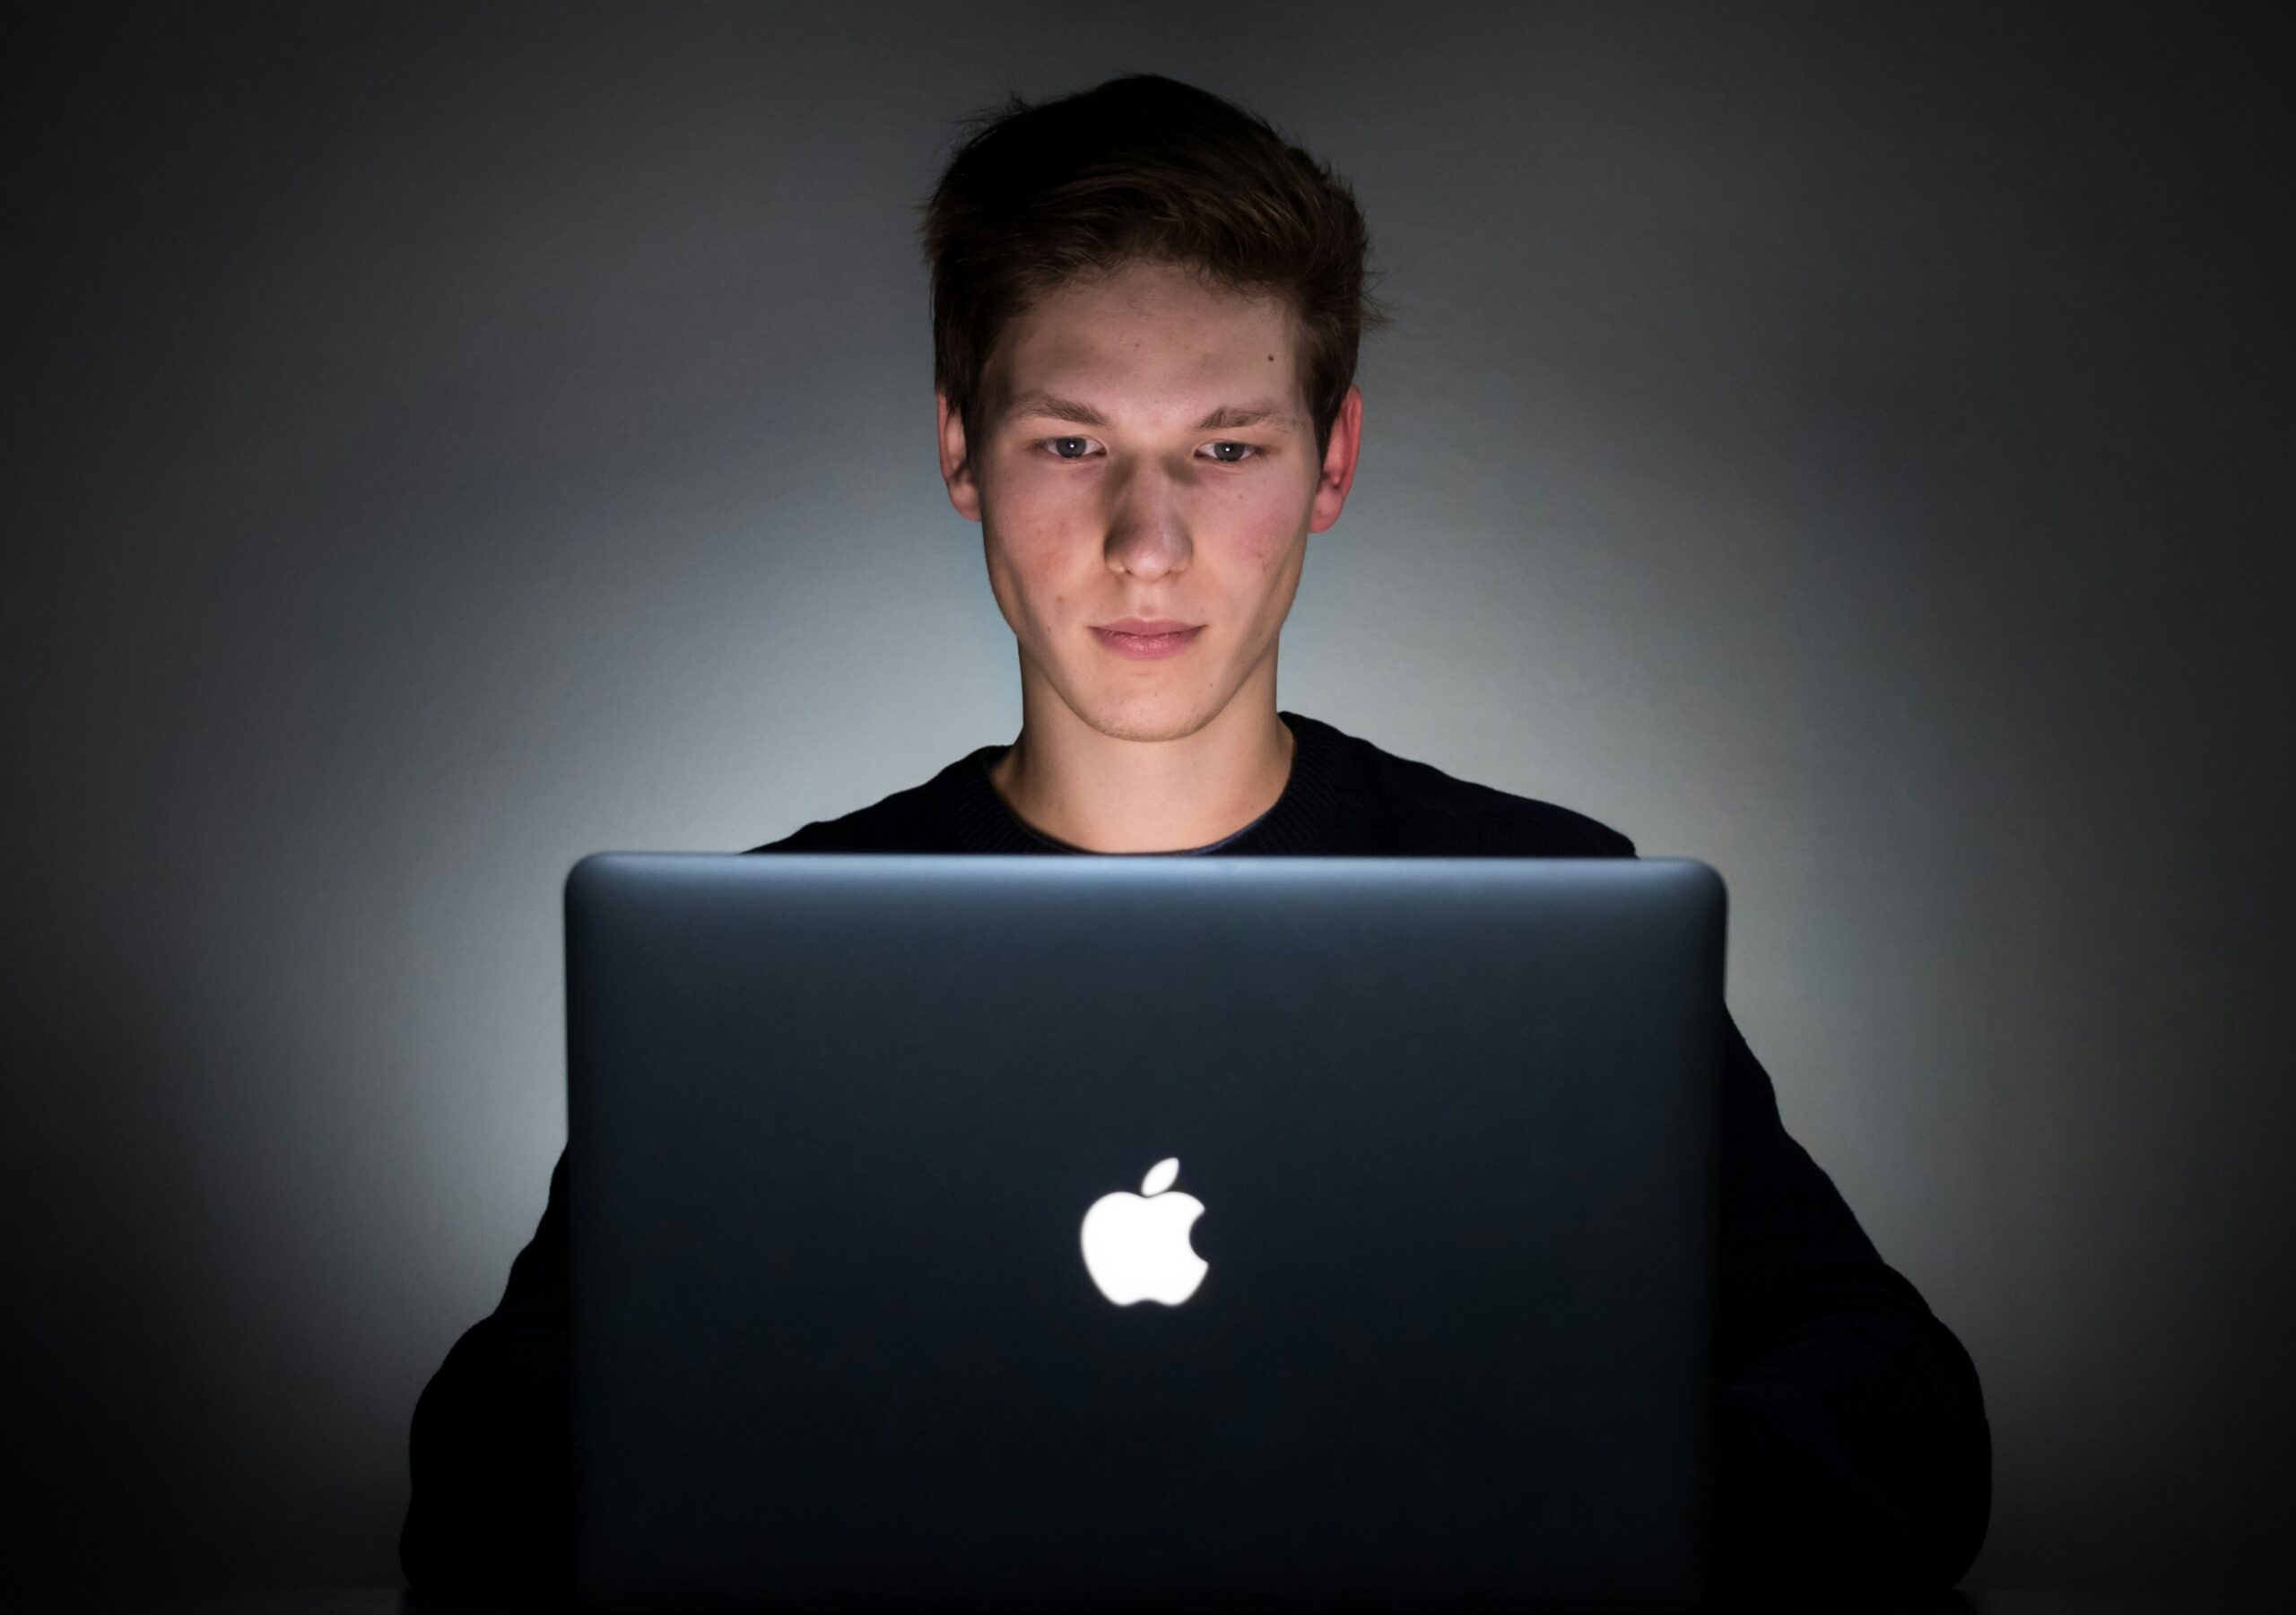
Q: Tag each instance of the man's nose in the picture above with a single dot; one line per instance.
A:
(1147, 531)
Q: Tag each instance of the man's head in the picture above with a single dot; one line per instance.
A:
(1146, 308)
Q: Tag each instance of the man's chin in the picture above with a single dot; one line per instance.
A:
(1147, 717)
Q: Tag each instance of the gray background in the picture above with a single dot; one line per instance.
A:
(1847, 445)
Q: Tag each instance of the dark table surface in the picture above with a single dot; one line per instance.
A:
(393, 1601)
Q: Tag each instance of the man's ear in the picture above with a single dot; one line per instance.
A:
(1336, 475)
(956, 461)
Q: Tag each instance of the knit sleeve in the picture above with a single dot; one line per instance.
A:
(492, 1450)
(1854, 1451)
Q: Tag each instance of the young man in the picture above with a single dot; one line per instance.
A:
(1146, 309)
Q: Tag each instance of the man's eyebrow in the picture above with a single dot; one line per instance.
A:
(1227, 416)
(1232, 415)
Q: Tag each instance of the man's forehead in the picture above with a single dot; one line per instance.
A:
(1150, 341)
(1212, 377)
(1044, 404)
(1178, 314)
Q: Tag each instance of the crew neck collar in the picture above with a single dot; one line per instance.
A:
(1296, 823)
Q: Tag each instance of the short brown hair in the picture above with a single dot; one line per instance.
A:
(1142, 168)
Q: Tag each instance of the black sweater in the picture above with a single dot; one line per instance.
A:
(1854, 1450)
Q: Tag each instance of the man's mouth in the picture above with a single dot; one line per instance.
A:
(1145, 640)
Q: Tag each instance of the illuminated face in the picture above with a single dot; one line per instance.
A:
(1155, 463)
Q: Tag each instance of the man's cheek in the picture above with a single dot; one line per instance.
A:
(1266, 544)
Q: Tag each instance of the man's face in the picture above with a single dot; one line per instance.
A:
(1155, 461)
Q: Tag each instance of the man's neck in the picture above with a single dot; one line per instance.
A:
(1107, 795)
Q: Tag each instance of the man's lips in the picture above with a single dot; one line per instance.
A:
(1147, 646)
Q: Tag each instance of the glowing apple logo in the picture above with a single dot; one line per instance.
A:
(1135, 1245)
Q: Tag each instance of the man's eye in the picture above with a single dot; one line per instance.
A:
(1078, 448)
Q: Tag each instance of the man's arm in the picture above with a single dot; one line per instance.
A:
(1854, 1449)
(492, 1445)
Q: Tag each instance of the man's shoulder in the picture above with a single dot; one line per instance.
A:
(918, 818)
(1409, 806)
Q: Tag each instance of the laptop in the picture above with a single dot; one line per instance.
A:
(1004, 1229)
